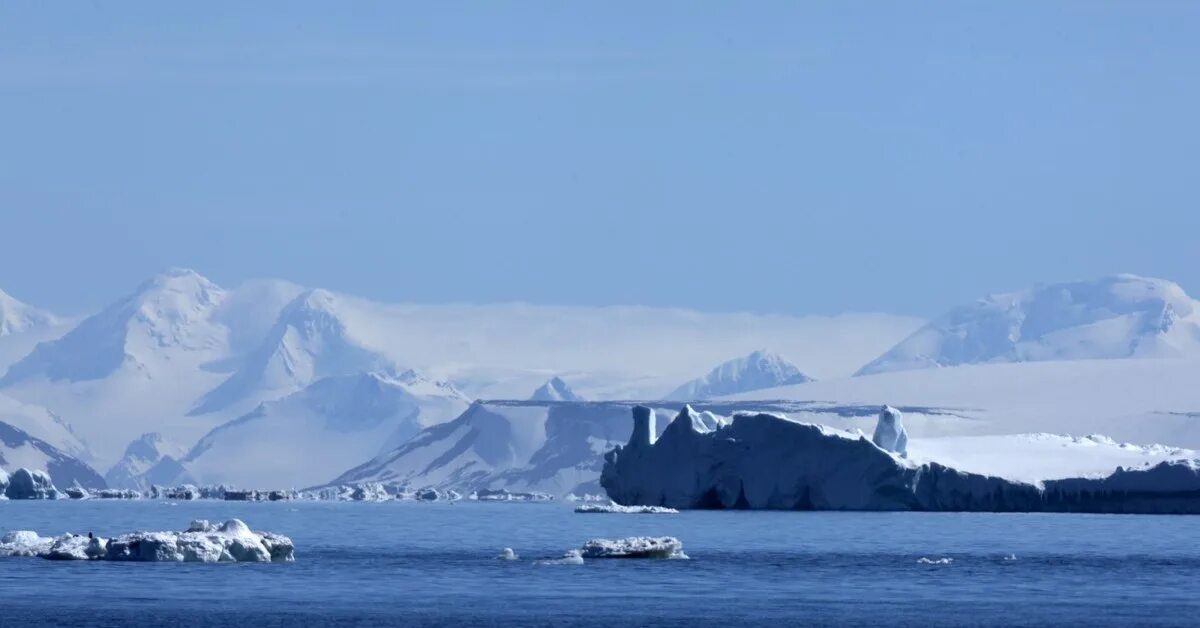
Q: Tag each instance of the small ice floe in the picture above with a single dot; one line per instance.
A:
(613, 507)
(507, 554)
(634, 547)
(1009, 558)
(232, 541)
(573, 557)
(934, 561)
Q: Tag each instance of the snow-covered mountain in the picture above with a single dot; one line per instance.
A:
(555, 389)
(18, 449)
(43, 425)
(168, 319)
(761, 369)
(1113, 317)
(132, 368)
(150, 459)
(310, 436)
(308, 341)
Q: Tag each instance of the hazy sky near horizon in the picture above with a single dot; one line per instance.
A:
(773, 156)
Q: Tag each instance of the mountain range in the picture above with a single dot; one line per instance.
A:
(271, 384)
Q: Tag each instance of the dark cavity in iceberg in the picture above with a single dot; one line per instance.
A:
(764, 461)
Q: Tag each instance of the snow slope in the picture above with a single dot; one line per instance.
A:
(761, 369)
(555, 390)
(1136, 400)
(17, 317)
(44, 425)
(308, 341)
(310, 436)
(20, 450)
(1113, 317)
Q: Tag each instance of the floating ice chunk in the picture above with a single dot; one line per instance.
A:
(934, 561)
(1010, 558)
(634, 547)
(232, 541)
(889, 432)
(617, 508)
(24, 543)
(573, 557)
(507, 554)
(26, 484)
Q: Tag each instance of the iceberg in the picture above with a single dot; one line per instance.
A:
(619, 509)
(889, 432)
(24, 543)
(3, 484)
(26, 484)
(765, 461)
(507, 554)
(231, 541)
(634, 547)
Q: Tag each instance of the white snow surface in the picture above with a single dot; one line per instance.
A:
(1141, 401)
(1112, 317)
(17, 317)
(615, 508)
(1035, 458)
(761, 369)
(634, 547)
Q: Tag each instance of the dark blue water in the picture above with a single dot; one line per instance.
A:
(432, 564)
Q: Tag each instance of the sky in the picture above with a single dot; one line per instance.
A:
(785, 157)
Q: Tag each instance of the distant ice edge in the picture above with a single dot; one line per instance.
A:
(764, 461)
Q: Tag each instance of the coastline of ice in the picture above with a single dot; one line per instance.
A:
(765, 461)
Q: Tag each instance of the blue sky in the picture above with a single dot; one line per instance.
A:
(782, 157)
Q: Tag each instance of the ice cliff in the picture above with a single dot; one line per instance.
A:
(764, 461)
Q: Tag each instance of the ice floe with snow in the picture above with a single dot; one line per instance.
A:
(615, 508)
(634, 547)
(231, 541)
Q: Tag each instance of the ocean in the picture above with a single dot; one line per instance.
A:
(418, 564)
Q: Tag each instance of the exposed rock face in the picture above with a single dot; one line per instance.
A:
(764, 461)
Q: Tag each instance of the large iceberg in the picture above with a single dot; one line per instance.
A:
(231, 541)
(27, 484)
(764, 461)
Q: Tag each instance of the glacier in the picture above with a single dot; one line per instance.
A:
(766, 461)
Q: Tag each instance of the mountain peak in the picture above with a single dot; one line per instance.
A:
(17, 317)
(756, 371)
(555, 389)
(1116, 316)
